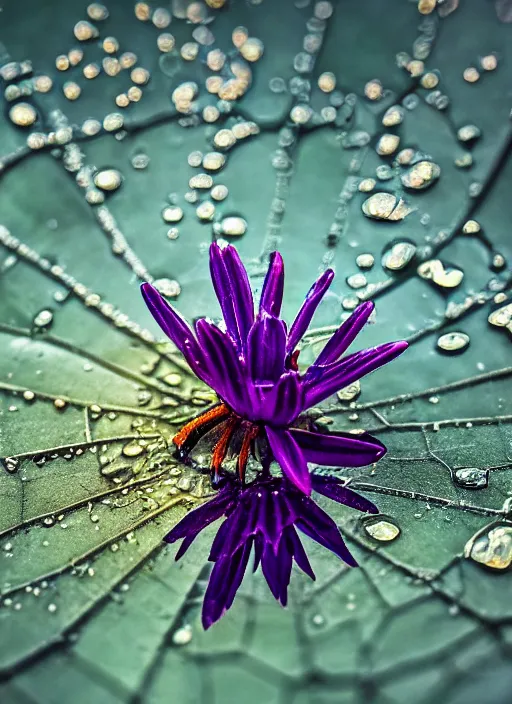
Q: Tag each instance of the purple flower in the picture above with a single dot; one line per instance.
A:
(252, 366)
(263, 517)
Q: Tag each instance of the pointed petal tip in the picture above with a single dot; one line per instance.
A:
(381, 451)
(211, 614)
(147, 289)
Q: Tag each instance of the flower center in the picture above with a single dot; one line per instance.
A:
(220, 415)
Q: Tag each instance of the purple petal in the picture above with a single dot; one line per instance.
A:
(236, 530)
(321, 382)
(199, 518)
(308, 308)
(340, 450)
(277, 570)
(280, 403)
(335, 544)
(266, 346)
(333, 489)
(175, 327)
(225, 532)
(223, 290)
(290, 458)
(259, 545)
(319, 525)
(226, 375)
(273, 516)
(299, 554)
(223, 585)
(345, 335)
(272, 292)
(241, 291)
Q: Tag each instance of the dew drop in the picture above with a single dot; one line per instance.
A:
(420, 176)
(381, 528)
(491, 548)
(385, 206)
(43, 319)
(453, 342)
(10, 464)
(350, 392)
(132, 449)
(365, 261)
(471, 477)
(182, 636)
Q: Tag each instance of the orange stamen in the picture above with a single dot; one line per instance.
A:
(217, 413)
(293, 360)
(243, 456)
(221, 448)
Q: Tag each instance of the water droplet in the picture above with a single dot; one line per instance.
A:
(453, 342)
(84, 31)
(108, 179)
(301, 114)
(202, 181)
(489, 62)
(429, 80)
(464, 161)
(132, 449)
(350, 392)
(10, 464)
(398, 256)
(113, 121)
(367, 185)
(422, 175)
(43, 319)
(385, 206)
(471, 477)
(435, 270)
(182, 636)
(97, 12)
(387, 144)
(23, 114)
(381, 528)
(327, 82)
(471, 74)
(172, 214)
(373, 90)
(357, 281)
(318, 620)
(501, 317)
(468, 133)
(384, 172)
(219, 192)
(205, 211)
(365, 261)
(393, 116)
(173, 379)
(410, 102)
(491, 547)
(233, 226)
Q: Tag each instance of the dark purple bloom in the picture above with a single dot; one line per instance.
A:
(263, 518)
(252, 366)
